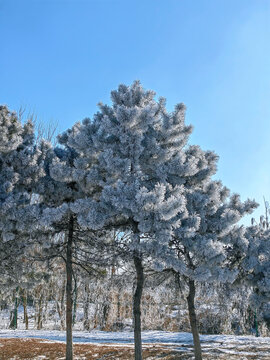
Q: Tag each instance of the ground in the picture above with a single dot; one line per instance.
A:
(41, 345)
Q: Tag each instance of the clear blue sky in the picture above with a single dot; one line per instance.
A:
(60, 58)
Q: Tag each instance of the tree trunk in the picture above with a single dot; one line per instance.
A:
(39, 314)
(193, 320)
(25, 314)
(60, 305)
(118, 308)
(69, 350)
(86, 323)
(14, 315)
(137, 307)
(256, 324)
(75, 304)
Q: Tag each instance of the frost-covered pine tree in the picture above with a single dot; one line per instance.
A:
(255, 266)
(135, 169)
(57, 224)
(202, 243)
(121, 169)
(20, 169)
(58, 231)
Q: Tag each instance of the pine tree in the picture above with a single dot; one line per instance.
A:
(133, 154)
(255, 266)
(58, 231)
(203, 241)
(20, 169)
(57, 224)
(120, 170)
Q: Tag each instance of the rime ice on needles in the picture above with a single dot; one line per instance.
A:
(20, 168)
(205, 235)
(256, 264)
(125, 156)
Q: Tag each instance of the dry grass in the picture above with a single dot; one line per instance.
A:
(38, 349)
(43, 349)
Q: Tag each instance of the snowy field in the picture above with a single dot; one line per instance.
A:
(214, 346)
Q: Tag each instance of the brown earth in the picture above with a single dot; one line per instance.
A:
(11, 349)
(38, 349)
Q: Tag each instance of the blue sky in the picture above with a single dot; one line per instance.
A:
(60, 58)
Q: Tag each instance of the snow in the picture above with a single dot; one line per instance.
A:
(178, 341)
(126, 337)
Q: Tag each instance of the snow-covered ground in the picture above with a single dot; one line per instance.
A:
(126, 337)
(244, 346)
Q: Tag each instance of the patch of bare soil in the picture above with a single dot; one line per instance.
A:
(38, 349)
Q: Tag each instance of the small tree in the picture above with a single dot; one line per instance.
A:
(206, 232)
(59, 231)
(255, 267)
(202, 242)
(121, 170)
(56, 191)
(134, 156)
(20, 169)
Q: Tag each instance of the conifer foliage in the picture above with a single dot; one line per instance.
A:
(120, 170)
(130, 171)
(256, 266)
(21, 167)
